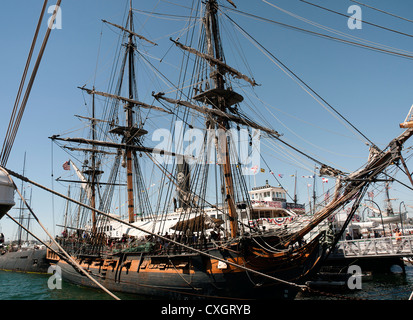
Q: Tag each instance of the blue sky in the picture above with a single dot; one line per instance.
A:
(372, 90)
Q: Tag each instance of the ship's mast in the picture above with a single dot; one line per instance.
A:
(21, 209)
(93, 192)
(128, 131)
(129, 122)
(214, 50)
(295, 188)
(389, 208)
(93, 172)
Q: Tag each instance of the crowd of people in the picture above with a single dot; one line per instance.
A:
(159, 245)
(377, 234)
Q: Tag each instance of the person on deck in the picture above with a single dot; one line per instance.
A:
(398, 235)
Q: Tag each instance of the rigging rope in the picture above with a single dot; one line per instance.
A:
(10, 136)
(391, 14)
(302, 82)
(8, 140)
(401, 53)
(69, 258)
(292, 131)
(345, 15)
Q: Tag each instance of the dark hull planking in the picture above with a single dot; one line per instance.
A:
(196, 276)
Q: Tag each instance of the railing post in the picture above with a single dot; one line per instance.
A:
(389, 245)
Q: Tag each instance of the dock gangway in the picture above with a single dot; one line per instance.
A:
(377, 247)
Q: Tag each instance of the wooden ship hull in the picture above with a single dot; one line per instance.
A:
(195, 276)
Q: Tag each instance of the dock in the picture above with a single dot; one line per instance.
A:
(377, 247)
(372, 255)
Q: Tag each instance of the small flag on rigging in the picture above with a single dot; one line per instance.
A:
(66, 165)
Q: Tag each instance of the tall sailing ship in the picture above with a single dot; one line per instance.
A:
(206, 250)
(183, 244)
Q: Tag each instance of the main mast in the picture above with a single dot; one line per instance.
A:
(129, 122)
(219, 95)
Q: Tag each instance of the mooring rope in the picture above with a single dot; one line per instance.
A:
(15, 123)
(70, 259)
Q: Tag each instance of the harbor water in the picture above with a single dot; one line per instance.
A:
(394, 285)
(31, 286)
(25, 286)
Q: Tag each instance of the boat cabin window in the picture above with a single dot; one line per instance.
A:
(270, 195)
(259, 214)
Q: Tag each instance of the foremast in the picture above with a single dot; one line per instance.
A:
(129, 131)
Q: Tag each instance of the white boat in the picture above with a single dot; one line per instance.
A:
(396, 218)
(6, 193)
(270, 207)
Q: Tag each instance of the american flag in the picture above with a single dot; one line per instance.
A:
(66, 165)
